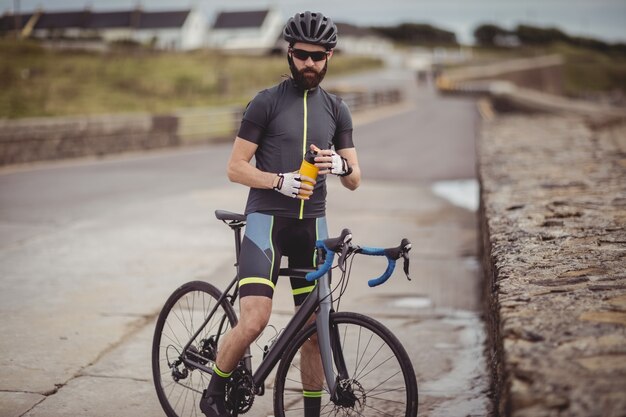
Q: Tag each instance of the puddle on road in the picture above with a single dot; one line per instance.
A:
(411, 302)
(462, 193)
(463, 388)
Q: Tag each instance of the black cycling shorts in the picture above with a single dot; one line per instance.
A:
(266, 240)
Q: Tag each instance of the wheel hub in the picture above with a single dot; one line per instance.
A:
(350, 394)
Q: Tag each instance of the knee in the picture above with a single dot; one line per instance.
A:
(252, 326)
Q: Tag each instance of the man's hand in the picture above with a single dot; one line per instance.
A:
(292, 185)
(330, 163)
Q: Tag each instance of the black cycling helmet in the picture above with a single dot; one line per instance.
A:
(309, 27)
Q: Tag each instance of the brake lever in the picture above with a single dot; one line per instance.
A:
(344, 251)
(405, 255)
(406, 248)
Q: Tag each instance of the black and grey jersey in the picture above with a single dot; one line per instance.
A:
(284, 121)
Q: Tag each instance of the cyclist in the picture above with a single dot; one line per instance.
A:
(285, 215)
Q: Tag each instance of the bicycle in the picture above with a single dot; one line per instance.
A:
(367, 372)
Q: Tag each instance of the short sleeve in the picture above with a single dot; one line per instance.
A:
(343, 132)
(255, 118)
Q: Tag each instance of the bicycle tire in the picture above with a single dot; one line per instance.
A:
(184, 311)
(385, 380)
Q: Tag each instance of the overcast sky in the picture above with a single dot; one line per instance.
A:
(605, 19)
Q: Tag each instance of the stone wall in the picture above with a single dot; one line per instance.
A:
(40, 139)
(553, 214)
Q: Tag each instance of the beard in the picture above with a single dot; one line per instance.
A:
(307, 78)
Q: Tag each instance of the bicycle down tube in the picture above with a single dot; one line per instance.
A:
(321, 296)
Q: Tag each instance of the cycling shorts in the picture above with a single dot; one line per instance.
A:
(266, 240)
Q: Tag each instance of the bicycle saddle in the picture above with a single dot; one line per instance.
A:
(229, 216)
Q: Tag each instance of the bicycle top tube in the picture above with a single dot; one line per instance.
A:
(295, 272)
(343, 243)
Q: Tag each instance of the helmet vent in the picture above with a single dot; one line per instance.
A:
(320, 31)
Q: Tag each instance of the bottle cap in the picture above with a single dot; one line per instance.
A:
(309, 156)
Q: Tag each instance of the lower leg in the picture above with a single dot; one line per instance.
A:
(312, 373)
(254, 315)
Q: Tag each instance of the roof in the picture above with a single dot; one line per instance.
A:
(155, 20)
(7, 21)
(104, 20)
(62, 20)
(87, 19)
(235, 20)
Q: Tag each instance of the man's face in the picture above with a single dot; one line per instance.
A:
(309, 71)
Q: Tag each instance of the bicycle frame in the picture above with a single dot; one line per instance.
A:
(319, 299)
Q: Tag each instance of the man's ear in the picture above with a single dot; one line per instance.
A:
(330, 54)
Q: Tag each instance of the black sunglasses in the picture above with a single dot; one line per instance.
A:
(303, 55)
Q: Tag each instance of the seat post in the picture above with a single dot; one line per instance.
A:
(237, 245)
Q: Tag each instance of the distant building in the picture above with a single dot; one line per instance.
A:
(260, 32)
(180, 30)
(255, 32)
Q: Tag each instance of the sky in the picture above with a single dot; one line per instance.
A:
(603, 19)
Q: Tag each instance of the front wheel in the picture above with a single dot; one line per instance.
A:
(376, 377)
(179, 384)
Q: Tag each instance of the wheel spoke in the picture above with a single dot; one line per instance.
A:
(183, 315)
(376, 387)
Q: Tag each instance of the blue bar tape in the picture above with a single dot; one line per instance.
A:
(330, 256)
(385, 276)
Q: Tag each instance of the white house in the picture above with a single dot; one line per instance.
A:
(181, 30)
(254, 32)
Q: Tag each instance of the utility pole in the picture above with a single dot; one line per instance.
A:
(17, 17)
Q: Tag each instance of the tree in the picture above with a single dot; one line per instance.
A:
(417, 34)
(532, 35)
(487, 35)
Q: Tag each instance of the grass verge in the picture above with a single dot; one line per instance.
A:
(35, 81)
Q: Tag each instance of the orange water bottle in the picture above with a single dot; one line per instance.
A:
(308, 167)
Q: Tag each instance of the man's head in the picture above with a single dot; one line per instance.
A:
(311, 37)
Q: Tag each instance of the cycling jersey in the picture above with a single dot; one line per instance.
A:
(284, 121)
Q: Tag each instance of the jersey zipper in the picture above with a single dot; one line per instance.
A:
(304, 146)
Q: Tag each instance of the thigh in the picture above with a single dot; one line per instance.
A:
(259, 260)
(302, 255)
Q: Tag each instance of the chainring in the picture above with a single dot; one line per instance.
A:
(240, 392)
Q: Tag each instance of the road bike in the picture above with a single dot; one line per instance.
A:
(366, 370)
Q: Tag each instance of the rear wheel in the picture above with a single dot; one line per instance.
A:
(179, 386)
(376, 377)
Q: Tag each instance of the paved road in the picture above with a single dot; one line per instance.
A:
(89, 250)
